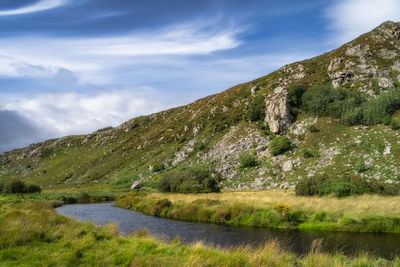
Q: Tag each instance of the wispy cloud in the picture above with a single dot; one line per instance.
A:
(39, 6)
(93, 57)
(350, 18)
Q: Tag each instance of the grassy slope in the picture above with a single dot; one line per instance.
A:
(276, 209)
(33, 234)
(122, 155)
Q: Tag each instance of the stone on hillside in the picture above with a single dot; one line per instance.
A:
(385, 82)
(277, 113)
(253, 89)
(390, 30)
(287, 166)
(387, 54)
(335, 63)
(358, 50)
(257, 184)
(396, 66)
(387, 150)
(136, 185)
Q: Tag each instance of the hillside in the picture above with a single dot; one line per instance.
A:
(214, 131)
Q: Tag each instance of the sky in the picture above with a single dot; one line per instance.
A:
(75, 66)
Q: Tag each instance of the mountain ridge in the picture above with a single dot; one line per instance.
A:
(369, 64)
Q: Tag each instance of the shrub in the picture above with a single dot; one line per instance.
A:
(247, 161)
(84, 197)
(351, 107)
(189, 180)
(1, 187)
(343, 186)
(33, 188)
(310, 153)
(256, 110)
(15, 186)
(360, 166)
(279, 145)
(158, 167)
(294, 99)
(312, 128)
(379, 109)
(198, 146)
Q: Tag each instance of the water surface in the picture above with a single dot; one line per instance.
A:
(381, 245)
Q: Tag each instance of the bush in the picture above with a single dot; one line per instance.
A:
(279, 145)
(342, 187)
(309, 153)
(199, 146)
(33, 188)
(351, 107)
(312, 128)
(84, 197)
(247, 161)
(379, 109)
(189, 180)
(295, 94)
(256, 110)
(15, 186)
(1, 187)
(360, 166)
(158, 167)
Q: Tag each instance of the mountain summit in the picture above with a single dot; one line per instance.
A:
(274, 122)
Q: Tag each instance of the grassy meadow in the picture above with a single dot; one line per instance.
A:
(33, 234)
(274, 209)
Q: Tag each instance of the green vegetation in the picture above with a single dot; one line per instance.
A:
(295, 94)
(189, 180)
(158, 167)
(351, 107)
(279, 145)
(271, 210)
(16, 186)
(49, 239)
(247, 161)
(344, 186)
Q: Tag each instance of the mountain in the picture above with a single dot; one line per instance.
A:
(214, 131)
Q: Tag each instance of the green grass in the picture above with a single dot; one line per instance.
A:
(279, 210)
(33, 234)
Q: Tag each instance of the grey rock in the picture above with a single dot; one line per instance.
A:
(136, 185)
(385, 82)
(358, 50)
(287, 166)
(387, 54)
(277, 113)
(396, 66)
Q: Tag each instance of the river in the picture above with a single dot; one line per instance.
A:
(299, 242)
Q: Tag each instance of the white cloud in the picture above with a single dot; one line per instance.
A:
(39, 6)
(93, 58)
(350, 18)
(60, 114)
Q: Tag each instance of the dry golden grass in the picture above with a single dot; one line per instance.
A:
(357, 205)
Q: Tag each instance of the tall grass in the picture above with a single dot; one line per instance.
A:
(370, 213)
(33, 234)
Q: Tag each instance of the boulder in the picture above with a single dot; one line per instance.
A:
(277, 112)
(136, 185)
(287, 166)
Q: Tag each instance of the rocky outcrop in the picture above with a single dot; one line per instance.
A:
(277, 112)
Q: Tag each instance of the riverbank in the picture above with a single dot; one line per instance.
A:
(274, 209)
(33, 234)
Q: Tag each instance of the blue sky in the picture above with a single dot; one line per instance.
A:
(73, 66)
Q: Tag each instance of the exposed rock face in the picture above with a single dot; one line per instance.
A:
(277, 113)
